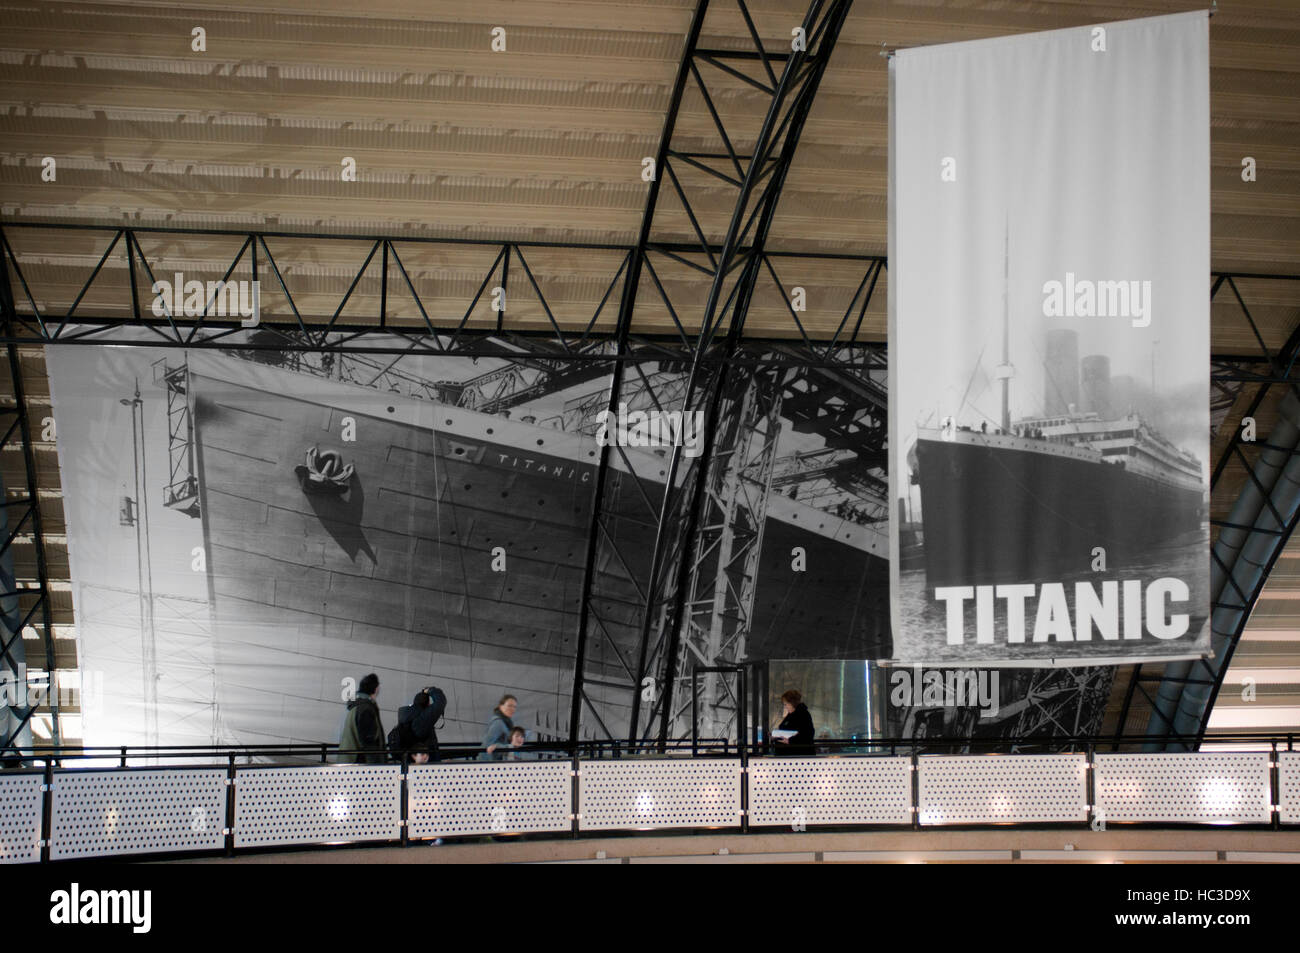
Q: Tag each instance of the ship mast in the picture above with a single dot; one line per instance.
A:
(1005, 370)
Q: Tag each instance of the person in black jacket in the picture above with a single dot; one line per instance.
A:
(414, 735)
(799, 720)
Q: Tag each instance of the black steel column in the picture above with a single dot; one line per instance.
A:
(31, 513)
(627, 306)
(829, 33)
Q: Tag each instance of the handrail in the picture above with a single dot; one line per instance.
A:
(326, 751)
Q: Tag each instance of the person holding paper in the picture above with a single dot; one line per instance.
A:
(794, 736)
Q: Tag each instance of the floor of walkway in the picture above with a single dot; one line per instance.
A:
(968, 846)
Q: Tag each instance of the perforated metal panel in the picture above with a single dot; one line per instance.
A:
(137, 811)
(500, 798)
(330, 804)
(1193, 788)
(796, 792)
(20, 818)
(1288, 787)
(665, 793)
(1048, 788)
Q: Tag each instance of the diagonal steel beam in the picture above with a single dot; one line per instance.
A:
(792, 100)
(627, 307)
(1173, 699)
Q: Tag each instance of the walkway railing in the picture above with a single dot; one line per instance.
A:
(204, 800)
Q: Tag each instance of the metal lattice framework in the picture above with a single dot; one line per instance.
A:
(362, 354)
(757, 178)
(299, 328)
(25, 605)
(1273, 371)
(724, 570)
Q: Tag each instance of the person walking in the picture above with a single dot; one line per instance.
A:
(498, 729)
(362, 726)
(799, 720)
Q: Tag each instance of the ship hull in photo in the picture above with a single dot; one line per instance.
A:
(1000, 508)
(452, 546)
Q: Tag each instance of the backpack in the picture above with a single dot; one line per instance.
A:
(401, 739)
(437, 703)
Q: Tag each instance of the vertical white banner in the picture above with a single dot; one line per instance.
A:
(1049, 257)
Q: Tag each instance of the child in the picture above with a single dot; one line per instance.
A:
(517, 737)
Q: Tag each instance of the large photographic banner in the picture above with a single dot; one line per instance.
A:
(251, 532)
(1049, 253)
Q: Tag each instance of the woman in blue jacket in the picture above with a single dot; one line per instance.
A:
(498, 729)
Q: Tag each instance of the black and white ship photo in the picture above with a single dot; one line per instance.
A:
(1056, 493)
(1050, 413)
(319, 516)
(275, 523)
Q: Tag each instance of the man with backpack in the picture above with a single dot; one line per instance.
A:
(416, 733)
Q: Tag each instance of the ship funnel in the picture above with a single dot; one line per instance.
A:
(1061, 387)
